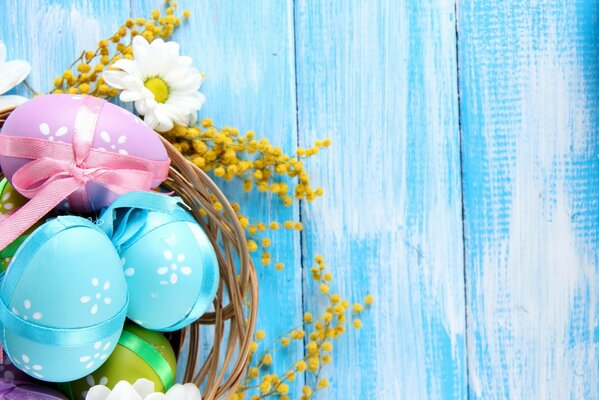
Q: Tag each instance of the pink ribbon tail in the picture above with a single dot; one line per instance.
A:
(14, 224)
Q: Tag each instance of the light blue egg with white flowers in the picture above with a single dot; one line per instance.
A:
(63, 301)
(168, 261)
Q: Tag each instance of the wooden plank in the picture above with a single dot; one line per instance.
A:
(529, 84)
(380, 79)
(246, 51)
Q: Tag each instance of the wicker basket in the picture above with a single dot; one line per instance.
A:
(221, 370)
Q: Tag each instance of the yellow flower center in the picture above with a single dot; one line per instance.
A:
(158, 87)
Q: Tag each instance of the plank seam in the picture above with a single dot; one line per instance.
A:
(462, 209)
(301, 202)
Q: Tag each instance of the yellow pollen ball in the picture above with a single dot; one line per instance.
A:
(159, 89)
(265, 387)
(283, 388)
(266, 359)
(301, 366)
(313, 364)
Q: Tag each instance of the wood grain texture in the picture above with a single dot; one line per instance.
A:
(529, 74)
(380, 79)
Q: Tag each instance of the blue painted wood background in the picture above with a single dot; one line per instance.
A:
(462, 188)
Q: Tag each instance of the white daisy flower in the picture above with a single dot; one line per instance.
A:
(11, 74)
(163, 85)
(143, 389)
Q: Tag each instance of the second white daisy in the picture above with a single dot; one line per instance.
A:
(163, 84)
(11, 74)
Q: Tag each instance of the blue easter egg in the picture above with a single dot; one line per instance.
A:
(169, 264)
(63, 301)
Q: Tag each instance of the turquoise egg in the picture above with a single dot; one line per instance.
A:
(168, 261)
(63, 301)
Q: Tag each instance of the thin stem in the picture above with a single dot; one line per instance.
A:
(32, 90)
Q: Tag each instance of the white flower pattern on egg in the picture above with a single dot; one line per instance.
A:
(99, 297)
(99, 355)
(47, 132)
(105, 136)
(174, 267)
(128, 271)
(26, 313)
(91, 381)
(6, 205)
(24, 362)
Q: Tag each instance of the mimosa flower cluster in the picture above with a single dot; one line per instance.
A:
(319, 335)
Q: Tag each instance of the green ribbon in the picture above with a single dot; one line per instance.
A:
(12, 248)
(150, 355)
(3, 183)
(65, 387)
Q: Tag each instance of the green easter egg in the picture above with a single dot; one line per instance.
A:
(141, 353)
(10, 200)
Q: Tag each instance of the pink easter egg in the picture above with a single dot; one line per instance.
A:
(53, 118)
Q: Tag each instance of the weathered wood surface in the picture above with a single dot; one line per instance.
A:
(497, 105)
(529, 74)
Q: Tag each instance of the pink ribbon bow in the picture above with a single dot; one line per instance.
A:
(60, 170)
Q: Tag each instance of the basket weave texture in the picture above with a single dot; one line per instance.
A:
(222, 367)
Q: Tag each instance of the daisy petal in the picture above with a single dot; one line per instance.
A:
(176, 392)
(192, 392)
(150, 119)
(140, 48)
(13, 73)
(143, 387)
(129, 95)
(11, 101)
(164, 122)
(99, 392)
(129, 67)
(114, 78)
(157, 396)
